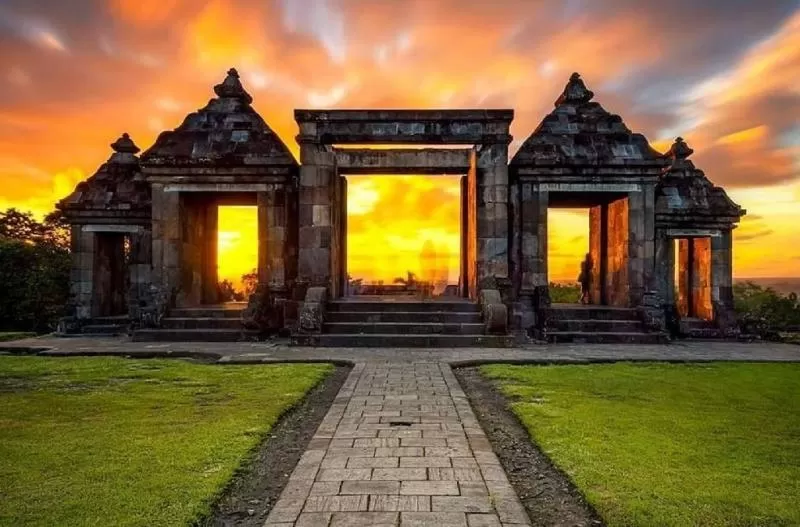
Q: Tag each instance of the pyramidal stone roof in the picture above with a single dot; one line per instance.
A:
(117, 186)
(685, 194)
(581, 132)
(226, 132)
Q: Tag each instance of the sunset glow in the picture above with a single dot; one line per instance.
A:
(75, 75)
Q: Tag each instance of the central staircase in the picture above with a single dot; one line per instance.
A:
(597, 325)
(403, 322)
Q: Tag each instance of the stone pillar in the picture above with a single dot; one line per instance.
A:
(343, 234)
(665, 267)
(684, 274)
(641, 253)
(492, 214)
(472, 227)
(82, 274)
(618, 251)
(272, 233)
(701, 278)
(139, 270)
(463, 281)
(317, 177)
(598, 243)
(209, 253)
(722, 279)
(166, 221)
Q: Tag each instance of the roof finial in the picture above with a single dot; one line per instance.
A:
(679, 150)
(575, 92)
(231, 88)
(125, 145)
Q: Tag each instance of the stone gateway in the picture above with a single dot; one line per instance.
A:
(144, 229)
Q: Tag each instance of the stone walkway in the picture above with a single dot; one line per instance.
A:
(400, 446)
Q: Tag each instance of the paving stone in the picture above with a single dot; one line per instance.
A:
(336, 503)
(364, 519)
(461, 504)
(344, 474)
(370, 487)
(399, 474)
(473, 488)
(429, 488)
(433, 519)
(324, 488)
(483, 520)
(373, 462)
(384, 502)
(399, 452)
(313, 519)
(425, 462)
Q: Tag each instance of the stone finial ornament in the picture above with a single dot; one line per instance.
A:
(125, 145)
(575, 92)
(231, 88)
(679, 150)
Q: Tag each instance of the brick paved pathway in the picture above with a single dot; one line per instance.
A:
(400, 446)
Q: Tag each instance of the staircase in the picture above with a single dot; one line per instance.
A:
(403, 323)
(218, 323)
(112, 326)
(597, 325)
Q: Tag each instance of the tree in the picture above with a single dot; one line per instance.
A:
(753, 303)
(34, 270)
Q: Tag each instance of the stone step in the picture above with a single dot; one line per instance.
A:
(403, 341)
(402, 328)
(201, 323)
(206, 312)
(592, 313)
(355, 306)
(192, 335)
(104, 329)
(596, 326)
(581, 337)
(698, 328)
(440, 317)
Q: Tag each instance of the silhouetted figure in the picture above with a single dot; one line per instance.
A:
(585, 279)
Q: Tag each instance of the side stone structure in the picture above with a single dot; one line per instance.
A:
(694, 221)
(223, 154)
(109, 215)
(583, 156)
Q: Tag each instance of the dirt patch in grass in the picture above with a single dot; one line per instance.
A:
(548, 495)
(255, 490)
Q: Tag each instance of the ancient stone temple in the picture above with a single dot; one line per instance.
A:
(145, 230)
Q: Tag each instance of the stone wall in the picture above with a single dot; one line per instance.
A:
(492, 214)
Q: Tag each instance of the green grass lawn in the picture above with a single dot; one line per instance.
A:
(109, 441)
(6, 336)
(662, 445)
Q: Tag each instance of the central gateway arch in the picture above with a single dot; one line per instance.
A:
(324, 161)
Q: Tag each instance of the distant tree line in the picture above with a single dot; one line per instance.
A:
(34, 271)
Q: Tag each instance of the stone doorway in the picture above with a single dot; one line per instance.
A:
(199, 261)
(481, 139)
(609, 242)
(110, 277)
(692, 275)
(404, 236)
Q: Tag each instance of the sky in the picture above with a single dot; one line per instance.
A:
(75, 74)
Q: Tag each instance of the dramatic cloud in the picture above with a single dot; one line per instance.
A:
(74, 74)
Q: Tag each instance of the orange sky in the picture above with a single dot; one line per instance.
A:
(721, 73)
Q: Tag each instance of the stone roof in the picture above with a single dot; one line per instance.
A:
(684, 194)
(227, 132)
(118, 186)
(580, 132)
